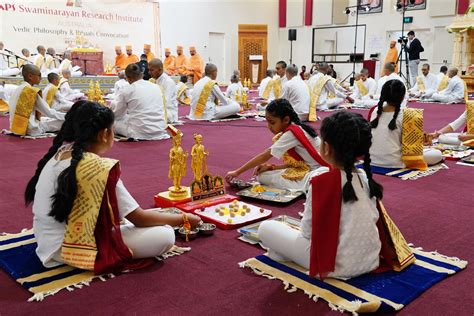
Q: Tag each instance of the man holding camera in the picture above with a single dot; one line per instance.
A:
(414, 48)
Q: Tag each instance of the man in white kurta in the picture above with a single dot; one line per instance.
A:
(70, 94)
(121, 83)
(454, 92)
(207, 100)
(390, 74)
(58, 101)
(364, 90)
(66, 63)
(168, 88)
(234, 90)
(5, 60)
(296, 91)
(330, 96)
(139, 111)
(426, 84)
(50, 121)
(280, 78)
(263, 85)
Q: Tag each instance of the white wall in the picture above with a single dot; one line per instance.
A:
(189, 22)
(379, 27)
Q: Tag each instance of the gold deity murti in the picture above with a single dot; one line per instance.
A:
(177, 167)
(198, 155)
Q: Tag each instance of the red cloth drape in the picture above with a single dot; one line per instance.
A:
(462, 6)
(282, 13)
(308, 12)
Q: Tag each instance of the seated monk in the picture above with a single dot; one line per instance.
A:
(206, 95)
(105, 246)
(131, 58)
(29, 113)
(195, 65)
(139, 109)
(180, 61)
(53, 96)
(120, 59)
(147, 52)
(168, 62)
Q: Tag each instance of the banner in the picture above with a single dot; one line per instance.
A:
(68, 24)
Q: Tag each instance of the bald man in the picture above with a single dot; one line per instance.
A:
(180, 61)
(168, 88)
(265, 89)
(454, 92)
(5, 60)
(139, 109)
(329, 94)
(25, 104)
(205, 96)
(364, 90)
(389, 74)
(51, 61)
(296, 91)
(195, 65)
(66, 63)
(120, 59)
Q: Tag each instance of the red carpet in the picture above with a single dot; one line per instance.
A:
(434, 212)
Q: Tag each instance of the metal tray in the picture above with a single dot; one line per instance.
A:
(271, 195)
(249, 232)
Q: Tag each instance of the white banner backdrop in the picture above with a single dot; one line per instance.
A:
(63, 24)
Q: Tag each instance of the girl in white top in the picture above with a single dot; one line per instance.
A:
(280, 115)
(234, 90)
(345, 137)
(386, 122)
(53, 189)
(447, 134)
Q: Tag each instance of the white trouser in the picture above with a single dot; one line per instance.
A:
(48, 124)
(450, 139)
(9, 72)
(147, 242)
(223, 111)
(444, 98)
(172, 115)
(284, 243)
(64, 106)
(76, 73)
(413, 64)
(432, 156)
(121, 127)
(73, 97)
(330, 103)
(365, 103)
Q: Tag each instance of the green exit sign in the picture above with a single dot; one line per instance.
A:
(408, 19)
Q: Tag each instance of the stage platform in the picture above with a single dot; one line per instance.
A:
(81, 83)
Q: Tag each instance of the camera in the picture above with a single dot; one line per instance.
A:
(402, 39)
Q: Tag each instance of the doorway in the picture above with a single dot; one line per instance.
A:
(217, 53)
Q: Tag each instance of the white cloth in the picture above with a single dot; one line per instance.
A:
(440, 77)
(226, 107)
(459, 122)
(386, 149)
(51, 120)
(66, 64)
(431, 84)
(454, 92)
(296, 91)
(359, 242)
(234, 90)
(263, 86)
(5, 69)
(147, 242)
(367, 100)
(119, 85)
(59, 101)
(39, 61)
(286, 142)
(382, 81)
(139, 112)
(171, 94)
(324, 102)
(70, 94)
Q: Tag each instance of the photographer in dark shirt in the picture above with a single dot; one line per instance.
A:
(414, 48)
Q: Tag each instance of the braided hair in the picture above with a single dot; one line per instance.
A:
(393, 92)
(65, 134)
(350, 136)
(281, 108)
(82, 127)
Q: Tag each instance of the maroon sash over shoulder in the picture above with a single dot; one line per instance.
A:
(327, 200)
(301, 137)
(113, 255)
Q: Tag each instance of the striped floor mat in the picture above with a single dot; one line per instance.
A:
(406, 174)
(381, 292)
(18, 258)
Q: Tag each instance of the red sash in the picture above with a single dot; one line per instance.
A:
(113, 255)
(301, 137)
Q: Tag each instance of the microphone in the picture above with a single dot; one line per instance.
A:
(7, 50)
(33, 54)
